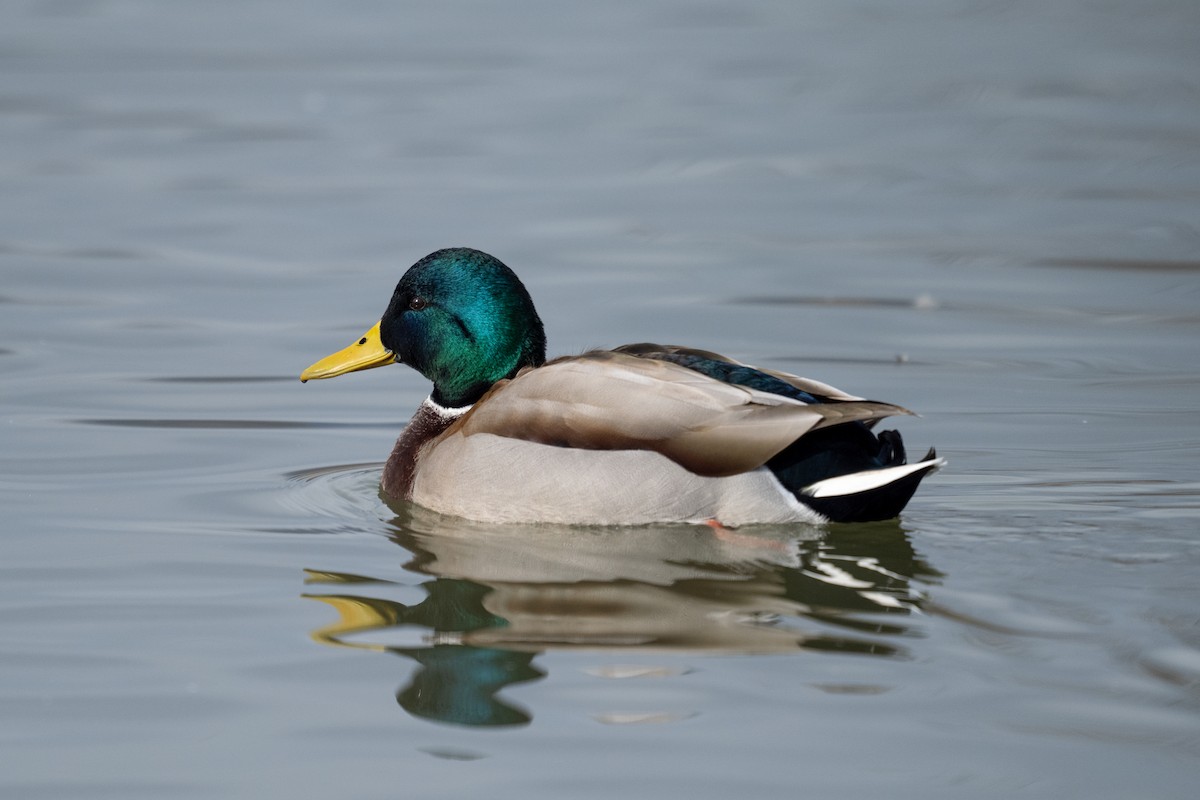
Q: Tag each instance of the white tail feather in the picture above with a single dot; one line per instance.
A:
(864, 481)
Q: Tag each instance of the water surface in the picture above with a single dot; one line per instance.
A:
(983, 212)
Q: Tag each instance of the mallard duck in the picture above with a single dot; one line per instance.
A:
(639, 434)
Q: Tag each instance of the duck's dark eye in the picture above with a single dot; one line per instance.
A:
(417, 303)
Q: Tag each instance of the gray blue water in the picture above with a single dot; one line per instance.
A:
(986, 212)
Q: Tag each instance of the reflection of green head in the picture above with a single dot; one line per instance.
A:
(464, 320)
(459, 685)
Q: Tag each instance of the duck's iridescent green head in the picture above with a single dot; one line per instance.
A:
(464, 320)
(460, 318)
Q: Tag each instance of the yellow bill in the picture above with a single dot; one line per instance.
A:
(367, 353)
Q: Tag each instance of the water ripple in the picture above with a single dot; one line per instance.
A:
(345, 492)
(1126, 264)
(220, 379)
(233, 424)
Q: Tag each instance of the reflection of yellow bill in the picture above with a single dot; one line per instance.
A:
(357, 614)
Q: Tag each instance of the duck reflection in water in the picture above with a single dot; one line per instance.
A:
(501, 595)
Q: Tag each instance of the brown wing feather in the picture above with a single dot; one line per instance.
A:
(609, 400)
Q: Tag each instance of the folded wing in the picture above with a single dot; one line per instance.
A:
(608, 400)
